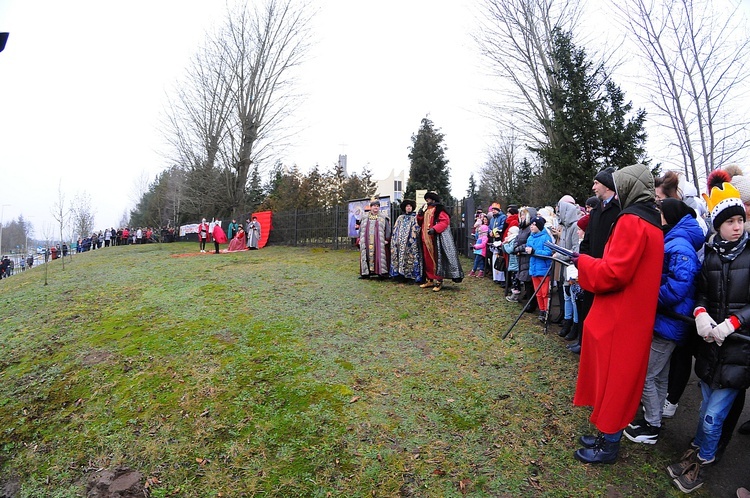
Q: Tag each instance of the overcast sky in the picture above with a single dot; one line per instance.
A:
(83, 85)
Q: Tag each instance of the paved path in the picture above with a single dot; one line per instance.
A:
(733, 471)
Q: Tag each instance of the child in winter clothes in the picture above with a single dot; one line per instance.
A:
(480, 252)
(722, 363)
(508, 244)
(539, 267)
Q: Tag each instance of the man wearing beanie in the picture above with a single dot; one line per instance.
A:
(722, 309)
(605, 208)
(618, 329)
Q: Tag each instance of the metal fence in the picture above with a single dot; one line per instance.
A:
(330, 227)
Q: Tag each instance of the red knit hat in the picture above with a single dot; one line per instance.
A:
(583, 223)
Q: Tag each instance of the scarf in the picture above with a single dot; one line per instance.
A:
(727, 250)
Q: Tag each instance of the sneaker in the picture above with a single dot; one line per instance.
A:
(543, 316)
(472, 273)
(480, 274)
(688, 458)
(691, 479)
(635, 424)
(668, 410)
(646, 433)
(513, 298)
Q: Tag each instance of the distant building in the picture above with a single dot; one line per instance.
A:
(393, 186)
(342, 164)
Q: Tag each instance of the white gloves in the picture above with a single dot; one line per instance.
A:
(704, 323)
(722, 330)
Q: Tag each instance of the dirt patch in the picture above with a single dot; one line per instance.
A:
(95, 357)
(10, 488)
(189, 254)
(226, 335)
(117, 483)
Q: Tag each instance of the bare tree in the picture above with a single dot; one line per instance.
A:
(61, 214)
(497, 179)
(82, 215)
(696, 52)
(515, 36)
(239, 90)
(48, 232)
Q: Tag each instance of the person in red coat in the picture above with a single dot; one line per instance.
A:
(618, 329)
(438, 247)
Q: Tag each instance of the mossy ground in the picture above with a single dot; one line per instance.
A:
(279, 373)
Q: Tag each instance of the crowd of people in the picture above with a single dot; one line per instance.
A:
(649, 276)
(240, 238)
(111, 237)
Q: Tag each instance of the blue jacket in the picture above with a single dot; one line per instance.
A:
(538, 266)
(681, 266)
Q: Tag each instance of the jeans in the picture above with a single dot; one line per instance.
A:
(612, 438)
(714, 409)
(657, 379)
(570, 308)
(478, 263)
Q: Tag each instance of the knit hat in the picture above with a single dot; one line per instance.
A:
(512, 232)
(484, 229)
(512, 209)
(674, 210)
(539, 222)
(605, 178)
(742, 184)
(592, 202)
(583, 223)
(723, 203)
(567, 198)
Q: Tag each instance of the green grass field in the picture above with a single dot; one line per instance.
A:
(279, 373)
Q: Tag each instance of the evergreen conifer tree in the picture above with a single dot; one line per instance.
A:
(429, 167)
(589, 123)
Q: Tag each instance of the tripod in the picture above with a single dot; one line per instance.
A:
(545, 281)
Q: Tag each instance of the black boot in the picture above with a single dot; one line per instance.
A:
(572, 333)
(591, 441)
(566, 325)
(530, 298)
(605, 452)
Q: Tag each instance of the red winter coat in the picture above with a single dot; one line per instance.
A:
(618, 329)
(203, 228)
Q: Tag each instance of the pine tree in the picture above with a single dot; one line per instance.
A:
(471, 192)
(589, 123)
(255, 194)
(429, 167)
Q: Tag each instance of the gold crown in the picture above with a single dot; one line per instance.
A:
(722, 198)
